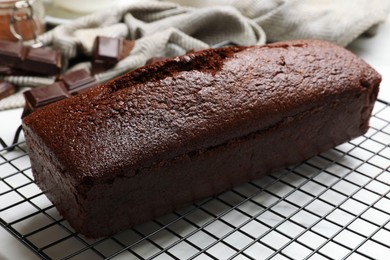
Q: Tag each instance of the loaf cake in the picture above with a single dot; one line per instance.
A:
(168, 134)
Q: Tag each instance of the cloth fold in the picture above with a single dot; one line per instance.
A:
(163, 29)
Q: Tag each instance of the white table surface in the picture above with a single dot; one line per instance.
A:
(375, 50)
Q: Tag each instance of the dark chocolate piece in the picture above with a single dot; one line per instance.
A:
(127, 46)
(41, 96)
(45, 61)
(11, 53)
(9, 71)
(6, 89)
(69, 84)
(78, 81)
(108, 51)
(42, 60)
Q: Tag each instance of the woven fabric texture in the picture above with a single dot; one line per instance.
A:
(164, 29)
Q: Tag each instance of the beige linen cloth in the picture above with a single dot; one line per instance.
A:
(167, 29)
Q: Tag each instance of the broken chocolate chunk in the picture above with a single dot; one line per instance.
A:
(41, 96)
(78, 81)
(108, 51)
(11, 53)
(44, 60)
(71, 83)
(6, 89)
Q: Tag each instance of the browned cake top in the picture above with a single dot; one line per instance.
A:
(193, 102)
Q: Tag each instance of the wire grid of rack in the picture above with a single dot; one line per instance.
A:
(332, 206)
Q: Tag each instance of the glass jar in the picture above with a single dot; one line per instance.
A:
(21, 20)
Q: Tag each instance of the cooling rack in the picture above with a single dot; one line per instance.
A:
(332, 206)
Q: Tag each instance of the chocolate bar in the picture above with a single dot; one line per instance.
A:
(11, 53)
(78, 81)
(41, 96)
(108, 51)
(6, 89)
(69, 84)
(44, 60)
(9, 71)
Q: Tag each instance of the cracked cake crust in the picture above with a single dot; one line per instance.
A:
(179, 130)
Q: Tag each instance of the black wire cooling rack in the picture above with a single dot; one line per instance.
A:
(332, 206)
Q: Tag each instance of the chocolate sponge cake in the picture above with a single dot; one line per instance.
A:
(182, 129)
